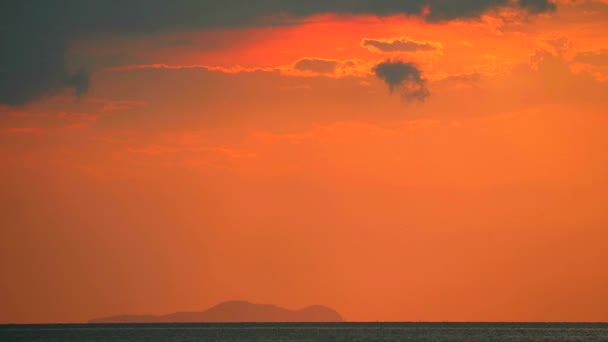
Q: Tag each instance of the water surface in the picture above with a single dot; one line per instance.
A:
(308, 332)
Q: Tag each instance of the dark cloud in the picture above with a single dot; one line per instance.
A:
(537, 6)
(403, 44)
(450, 9)
(35, 34)
(403, 77)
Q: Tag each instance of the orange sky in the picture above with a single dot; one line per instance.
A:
(205, 165)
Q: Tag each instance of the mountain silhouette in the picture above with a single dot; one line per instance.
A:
(234, 311)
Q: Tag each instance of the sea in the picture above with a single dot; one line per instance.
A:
(307, 332)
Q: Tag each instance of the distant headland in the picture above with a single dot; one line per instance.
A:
(234, 311)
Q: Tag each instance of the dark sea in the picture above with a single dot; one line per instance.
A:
(308, 332)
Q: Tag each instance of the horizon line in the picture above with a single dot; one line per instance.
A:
(303, 322)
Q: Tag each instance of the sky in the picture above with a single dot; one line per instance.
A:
(412, 160)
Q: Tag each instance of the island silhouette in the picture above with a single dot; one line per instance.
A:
(234, 311)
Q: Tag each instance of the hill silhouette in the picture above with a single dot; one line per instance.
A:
(234, 311)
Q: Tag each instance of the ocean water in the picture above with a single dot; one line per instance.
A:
(307, 332)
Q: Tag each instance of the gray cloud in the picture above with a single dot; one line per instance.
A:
(404, 77)
(403, 44)
(35, 34)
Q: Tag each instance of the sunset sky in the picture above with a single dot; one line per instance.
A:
(397, 160)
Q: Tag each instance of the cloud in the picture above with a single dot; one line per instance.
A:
(559, 46)
(599, 57)
(593, 62)
(35, 35)
(537, 6)
(440, 10)
(327, 67)
(404, 77)
(226, 70)
(402, 44)
(461, 77)
(316, 65)
(305, 67)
